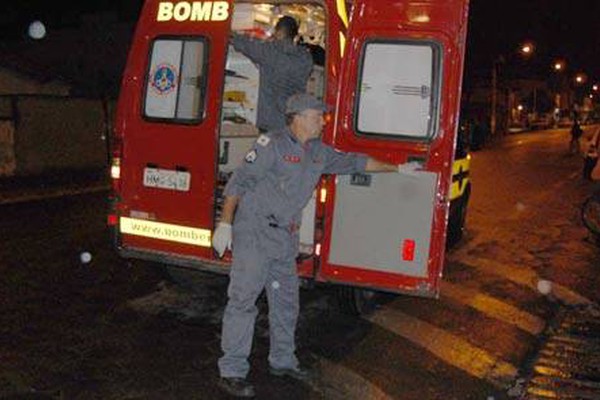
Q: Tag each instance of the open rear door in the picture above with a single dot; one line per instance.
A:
(167, 124)
(398, 101)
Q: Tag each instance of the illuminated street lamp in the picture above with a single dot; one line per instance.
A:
(559, 66)
(527, 48)
(579, 81)
(580, 78)
(595, 88)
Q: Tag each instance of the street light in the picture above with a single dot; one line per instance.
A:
(580, 78)
(559, 65)
(526, 50)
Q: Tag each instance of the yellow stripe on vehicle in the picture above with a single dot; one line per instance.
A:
(168, 232)
(460, 177)
(342, 44)
(342, 12)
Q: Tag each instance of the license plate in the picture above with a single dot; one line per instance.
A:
(167, 179)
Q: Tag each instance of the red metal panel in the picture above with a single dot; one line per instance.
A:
(170, 145)
(441, 21)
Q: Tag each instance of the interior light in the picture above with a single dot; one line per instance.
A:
(318, 249)
(421, 18)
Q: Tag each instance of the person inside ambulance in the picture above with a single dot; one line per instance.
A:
(284, 70)
(267, 193)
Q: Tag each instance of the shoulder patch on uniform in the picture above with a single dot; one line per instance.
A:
(250, 156)
(263, 140)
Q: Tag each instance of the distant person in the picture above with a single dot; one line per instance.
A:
(576, 133)
(590, 160)
(575, 114)
(477, 135)
(284, 69)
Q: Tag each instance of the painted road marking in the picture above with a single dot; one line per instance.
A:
(493, 307)
(522, 276)
(448, 347)
(337, 382)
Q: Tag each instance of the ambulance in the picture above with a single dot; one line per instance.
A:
(391, 73)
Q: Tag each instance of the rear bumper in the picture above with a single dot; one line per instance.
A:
(171, 259)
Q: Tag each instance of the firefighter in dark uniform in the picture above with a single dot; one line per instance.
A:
(284, 70)
(267, 193)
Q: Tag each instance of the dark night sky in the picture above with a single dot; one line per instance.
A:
(559, 28)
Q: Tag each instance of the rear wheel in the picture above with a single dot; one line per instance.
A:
(457, 221)
(590, 214)
(189, 279)
(355, 301)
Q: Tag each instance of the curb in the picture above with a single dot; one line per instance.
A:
(6, 199)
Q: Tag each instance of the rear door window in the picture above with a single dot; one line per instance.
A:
(399, 92)
(176, 81)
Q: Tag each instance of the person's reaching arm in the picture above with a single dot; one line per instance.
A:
(257, 50)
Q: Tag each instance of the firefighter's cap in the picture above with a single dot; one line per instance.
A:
(303, 101)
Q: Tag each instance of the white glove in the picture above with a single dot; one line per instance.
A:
(409, 168)
(221, 239)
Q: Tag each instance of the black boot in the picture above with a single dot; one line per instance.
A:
(238, 387)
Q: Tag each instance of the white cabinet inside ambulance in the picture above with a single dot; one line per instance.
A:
(390, 70)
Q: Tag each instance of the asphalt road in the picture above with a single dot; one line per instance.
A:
(114, 329)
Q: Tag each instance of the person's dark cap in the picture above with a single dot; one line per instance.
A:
(303, 101)
(289, 24)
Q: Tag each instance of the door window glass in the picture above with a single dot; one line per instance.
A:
(176, 80)
(398, 89)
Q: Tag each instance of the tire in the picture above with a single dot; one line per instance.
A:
(456, 224)
(189, 279)
(355, 301)
(590, 214)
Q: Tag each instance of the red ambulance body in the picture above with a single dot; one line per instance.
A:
(390, 70)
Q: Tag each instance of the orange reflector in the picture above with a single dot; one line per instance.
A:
(408, 250)
(112, 220)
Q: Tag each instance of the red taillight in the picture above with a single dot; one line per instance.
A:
(112, 220)
(408, 250)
